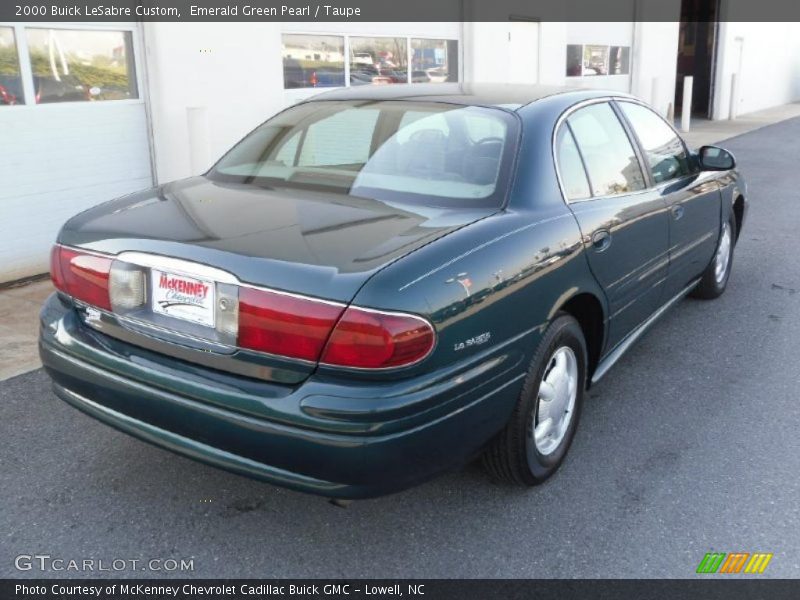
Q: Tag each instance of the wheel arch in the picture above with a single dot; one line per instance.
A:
(738, 213)
(588, 310)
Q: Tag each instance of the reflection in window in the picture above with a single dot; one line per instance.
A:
(570, 166)
(664, 150)
(342, 139)
(607, 152)
(378, 60)
(619, 60)
(10, 80)
(313, 61)
(434, 61)
(423, 152)
(74, 66)
(595, 60)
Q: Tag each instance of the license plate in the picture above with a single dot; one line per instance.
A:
(183, 297)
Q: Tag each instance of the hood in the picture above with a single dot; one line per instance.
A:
(316, 243)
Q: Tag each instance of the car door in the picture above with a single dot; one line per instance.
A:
(692, 197)
(624, 222)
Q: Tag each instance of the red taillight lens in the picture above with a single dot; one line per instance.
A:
(283, 324)
(81, 275)
(367, 339)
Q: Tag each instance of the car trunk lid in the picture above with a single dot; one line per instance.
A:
(307, 243)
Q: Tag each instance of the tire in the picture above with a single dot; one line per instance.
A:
(514, 455)
(715, 278)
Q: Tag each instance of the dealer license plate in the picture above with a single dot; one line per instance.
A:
(183, 297)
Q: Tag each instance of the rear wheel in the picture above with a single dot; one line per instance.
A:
(536, 439)
(715, 278)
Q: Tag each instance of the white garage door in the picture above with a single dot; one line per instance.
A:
(73, 132)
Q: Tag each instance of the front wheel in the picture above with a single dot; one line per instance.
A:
(536, 439)
(715, 278)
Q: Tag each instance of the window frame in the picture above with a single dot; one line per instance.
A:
(305, 91)
(26, 70)
(562, 122)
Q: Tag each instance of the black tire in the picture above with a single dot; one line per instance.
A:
(512, 456)
(710, 285)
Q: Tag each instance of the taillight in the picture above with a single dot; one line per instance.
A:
(367, 339)
(81, 275)
(284, 324)
(263, 320)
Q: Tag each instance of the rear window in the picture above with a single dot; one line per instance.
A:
(429, 153)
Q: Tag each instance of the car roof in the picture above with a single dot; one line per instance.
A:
(508, 96)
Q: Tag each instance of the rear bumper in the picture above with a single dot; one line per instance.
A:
(293, 437)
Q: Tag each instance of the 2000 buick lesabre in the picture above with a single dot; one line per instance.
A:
(381, 283)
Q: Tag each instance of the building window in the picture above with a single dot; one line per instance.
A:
(312, 61)
(71, 65)
(10, 80)
(619, 60)
(574, 60)
(595, 60)
(378, 60)
(590, 60)
(434, 61)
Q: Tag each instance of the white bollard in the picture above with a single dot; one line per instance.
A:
(734, 110)
(654, 94)
(197, 121)
(686, 111)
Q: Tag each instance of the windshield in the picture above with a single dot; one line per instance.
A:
(431, 153)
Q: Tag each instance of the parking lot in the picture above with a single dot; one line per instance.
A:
(689, 445)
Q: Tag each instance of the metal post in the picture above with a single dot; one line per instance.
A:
(686, 111)
(197, 121)
(734, 110)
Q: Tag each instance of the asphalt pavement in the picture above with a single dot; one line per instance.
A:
(691, 444)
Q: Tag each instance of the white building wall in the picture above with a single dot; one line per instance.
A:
(235, 71)
(655, 62)
(488, 56)
(604, 34)
(766, 59)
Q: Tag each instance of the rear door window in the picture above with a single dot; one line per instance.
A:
(611, 162)
(570, 166)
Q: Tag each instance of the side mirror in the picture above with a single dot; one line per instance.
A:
(712, 158)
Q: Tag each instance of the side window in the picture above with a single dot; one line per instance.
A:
(610, 160)
(570, 166)
(664, 150)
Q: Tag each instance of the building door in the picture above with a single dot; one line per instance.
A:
(74, 131)
(697, 53)
(523, 52)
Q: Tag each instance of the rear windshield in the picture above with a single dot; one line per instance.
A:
(430, 153)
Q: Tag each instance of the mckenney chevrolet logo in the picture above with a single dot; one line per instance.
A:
(182, 286)
(734, 562)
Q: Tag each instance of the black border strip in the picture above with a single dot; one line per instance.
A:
(382, 10)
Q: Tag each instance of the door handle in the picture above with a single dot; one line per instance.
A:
(677, 211)
(601, 240)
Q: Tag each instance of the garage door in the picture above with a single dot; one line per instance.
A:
(74, 132)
